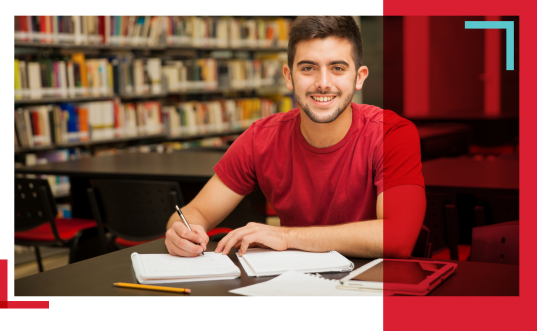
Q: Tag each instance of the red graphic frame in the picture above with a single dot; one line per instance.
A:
(5, 304)
(482, 313)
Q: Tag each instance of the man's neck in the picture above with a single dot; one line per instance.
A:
(322, 135)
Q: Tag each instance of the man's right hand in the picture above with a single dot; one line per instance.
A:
(181, 242)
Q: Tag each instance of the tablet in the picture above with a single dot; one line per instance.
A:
(409, 277)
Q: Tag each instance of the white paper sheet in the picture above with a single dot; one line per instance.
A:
(293, 283)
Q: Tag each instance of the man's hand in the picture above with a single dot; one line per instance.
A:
(254, 235)
(180, 241)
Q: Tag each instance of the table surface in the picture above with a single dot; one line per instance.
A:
(95, 277)
(184, 165)
(472, 176)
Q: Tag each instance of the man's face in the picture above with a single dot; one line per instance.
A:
(324, 78)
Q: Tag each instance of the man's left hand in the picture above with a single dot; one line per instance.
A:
(254, 235)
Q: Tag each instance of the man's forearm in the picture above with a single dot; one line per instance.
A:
(193, 216)
(359, 239)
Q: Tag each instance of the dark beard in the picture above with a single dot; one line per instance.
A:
(332, 117)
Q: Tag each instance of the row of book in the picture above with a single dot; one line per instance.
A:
(107, 120)
(125, 75)
(196, 117)
(219, 32)
(90, 121)
(68, 77)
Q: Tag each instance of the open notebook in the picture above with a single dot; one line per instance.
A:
(165, 268)
(300, 284)
(267, 262)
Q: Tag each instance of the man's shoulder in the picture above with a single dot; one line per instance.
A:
(276, 121)
(379, 115)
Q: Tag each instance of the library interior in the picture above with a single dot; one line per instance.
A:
(118, 119)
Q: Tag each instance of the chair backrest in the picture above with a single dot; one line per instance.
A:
(496, 209)
(133, 209)
(442, 221)
(34, 204)
(497, 243)
(423, 247)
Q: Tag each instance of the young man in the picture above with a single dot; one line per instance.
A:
(340, 176)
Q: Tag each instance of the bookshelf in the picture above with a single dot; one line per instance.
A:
(158, 138)
(261, 90)
(41, 45)
(157, 83)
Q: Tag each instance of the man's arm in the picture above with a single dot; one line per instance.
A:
(400, 212)
(214, 202)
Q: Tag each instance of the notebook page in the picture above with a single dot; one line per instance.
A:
(165, 266)
(299, 284)
(267, 261)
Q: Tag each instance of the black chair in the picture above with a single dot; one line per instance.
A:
(442, 220)
(496, 209)
(423, 247)
(36, 224)
(133, 211)
(497, 243)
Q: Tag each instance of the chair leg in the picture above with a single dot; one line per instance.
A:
(38, 258)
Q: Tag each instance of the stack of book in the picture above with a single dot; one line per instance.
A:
(217, 32)
(89, 121)
(195, 117)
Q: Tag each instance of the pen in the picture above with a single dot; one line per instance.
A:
(155, 288)
(186, 223)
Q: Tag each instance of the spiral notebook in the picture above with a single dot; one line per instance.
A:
(268, 262)
(299, 284)
(165, 268)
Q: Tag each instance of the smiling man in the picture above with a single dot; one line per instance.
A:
(340, 176)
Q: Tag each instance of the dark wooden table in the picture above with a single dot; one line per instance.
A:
(95, 277)
(192, 169)
(184, 166)
(467, 176)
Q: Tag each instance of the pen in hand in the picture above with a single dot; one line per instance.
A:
(185, 222)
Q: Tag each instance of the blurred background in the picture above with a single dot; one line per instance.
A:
(90, 86)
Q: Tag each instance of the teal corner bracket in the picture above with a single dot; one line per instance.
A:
(509, 27)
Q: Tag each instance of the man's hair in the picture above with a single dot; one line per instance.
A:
(306, 28)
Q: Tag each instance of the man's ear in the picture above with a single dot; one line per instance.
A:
(288, 79)
(361, 75)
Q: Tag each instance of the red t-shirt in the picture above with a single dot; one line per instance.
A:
(324, 186)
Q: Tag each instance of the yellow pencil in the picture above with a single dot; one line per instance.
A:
(155, 288)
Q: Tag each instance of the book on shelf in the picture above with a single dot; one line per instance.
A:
(88, 121)
(196, 117)
(191, 31)
(200, 74)
(59, 29)
(107, 120)
(137, 76)
(125, 75)
(67, 77)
